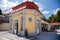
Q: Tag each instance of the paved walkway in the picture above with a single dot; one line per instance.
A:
(7, 36)
(46, 36)
(42, 36)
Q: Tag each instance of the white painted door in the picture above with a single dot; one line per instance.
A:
(15, 29)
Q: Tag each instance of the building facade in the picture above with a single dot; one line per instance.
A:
(4, 23)
(25, 18)
(55, 25)
(45, 26)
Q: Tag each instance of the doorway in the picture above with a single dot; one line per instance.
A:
(15, 28)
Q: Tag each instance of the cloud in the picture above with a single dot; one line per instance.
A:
(49, 15)
(39, 5)
(55, 11)
(8, 11)
(26, 0)
(7, 4)
(46, 12)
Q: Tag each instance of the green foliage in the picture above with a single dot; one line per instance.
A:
(55, 18)
(43, 18)
(0, 12)
(58, 13)
(50, 18)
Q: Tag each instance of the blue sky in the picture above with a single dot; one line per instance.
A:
(47, 7)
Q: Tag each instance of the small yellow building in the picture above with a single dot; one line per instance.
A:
(25, 17)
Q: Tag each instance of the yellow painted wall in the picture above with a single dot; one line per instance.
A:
(30, 26)
(16, 18)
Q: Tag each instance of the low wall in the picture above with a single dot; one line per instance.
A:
(4, 26)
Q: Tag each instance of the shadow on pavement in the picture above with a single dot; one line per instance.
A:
(46, 36)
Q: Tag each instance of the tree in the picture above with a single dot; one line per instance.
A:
(58, 15)
(50, 18)
(55, 18)
(1, 18)
(0, 12)
(43, 18)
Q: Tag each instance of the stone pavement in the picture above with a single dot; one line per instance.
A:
(41, 36)
(46, 36)
(9, 36)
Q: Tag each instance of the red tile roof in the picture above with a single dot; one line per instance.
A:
(55, 23)
(29, 5)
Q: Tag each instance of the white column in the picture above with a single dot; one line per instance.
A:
(35, 24)
(40, 26)
(24, 23)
